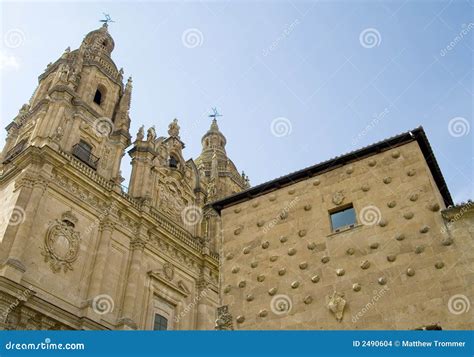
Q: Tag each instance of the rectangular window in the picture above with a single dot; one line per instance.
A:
(343, 218)
(161, 323)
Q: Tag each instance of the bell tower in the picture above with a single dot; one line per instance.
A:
(80, 107)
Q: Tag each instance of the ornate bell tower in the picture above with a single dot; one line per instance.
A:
(80, 108)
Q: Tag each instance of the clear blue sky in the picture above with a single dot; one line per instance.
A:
(257, 61)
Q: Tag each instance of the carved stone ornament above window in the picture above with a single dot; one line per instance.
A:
(61, 246)
(338, 198)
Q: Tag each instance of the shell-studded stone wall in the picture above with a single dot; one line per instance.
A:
(284, 266)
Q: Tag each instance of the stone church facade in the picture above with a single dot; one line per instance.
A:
(78, 251)
(369, 240)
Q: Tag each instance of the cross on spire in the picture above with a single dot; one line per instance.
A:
(215, 113)
(107, 19)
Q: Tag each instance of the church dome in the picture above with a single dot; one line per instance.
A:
(99, 41)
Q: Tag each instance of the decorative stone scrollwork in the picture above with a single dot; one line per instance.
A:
(61, 245)
(336, 305)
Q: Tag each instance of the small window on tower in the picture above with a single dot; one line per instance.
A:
(98, 97)
(173, 163)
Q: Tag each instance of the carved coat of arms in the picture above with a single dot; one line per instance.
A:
(61, 246)
(338, 198)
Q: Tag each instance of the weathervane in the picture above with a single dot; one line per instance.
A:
(107, 19)
(215, 113)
